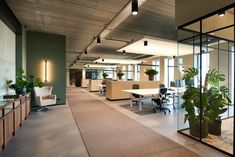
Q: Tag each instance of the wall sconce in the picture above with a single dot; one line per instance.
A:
(46, 71)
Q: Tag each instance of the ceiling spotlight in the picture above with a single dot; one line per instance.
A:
(85, 51)
(98, 40)
(96, 62)
(78, 58)
(145, 43)
(102, 59)
(134, 7)
(124, 51)
(87, 65)
(221, 14)
(142, 62)
(74, 62)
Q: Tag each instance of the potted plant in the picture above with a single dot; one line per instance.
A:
(213, 101)
(120, 74)
(23, 83)
(104, 75)
(151, 73)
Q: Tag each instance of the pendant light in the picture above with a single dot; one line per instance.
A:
(98, 40)
(145, 43)
(134, 7)
(221, 14)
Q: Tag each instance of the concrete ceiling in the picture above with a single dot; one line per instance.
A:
(81, 20)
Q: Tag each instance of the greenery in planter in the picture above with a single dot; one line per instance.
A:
(212, 105)
(120, 74)
(24, 83)
(151, 73)
(105, 75)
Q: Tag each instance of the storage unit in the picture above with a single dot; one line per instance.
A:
(12, 115)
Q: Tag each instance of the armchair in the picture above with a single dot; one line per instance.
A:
(44, 97)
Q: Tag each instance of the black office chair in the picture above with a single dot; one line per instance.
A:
(161, 101)
(135, 97)
(161, 85)
(172, 84)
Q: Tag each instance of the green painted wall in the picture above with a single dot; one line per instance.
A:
(50, 47)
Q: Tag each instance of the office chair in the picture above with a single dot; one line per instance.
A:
(161, 85)
(172, 84)
(161, 101)
(103, 90)
(135, 97)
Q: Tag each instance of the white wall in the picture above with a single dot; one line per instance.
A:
(7, 56)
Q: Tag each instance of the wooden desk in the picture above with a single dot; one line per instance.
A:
(153, 91)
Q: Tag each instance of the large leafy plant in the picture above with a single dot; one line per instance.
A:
(208, 100)
(24, 81)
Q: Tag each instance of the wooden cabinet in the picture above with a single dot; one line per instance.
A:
(1, 134)
(12, 115)
(17, 117)
(28, 106)
(8, 126)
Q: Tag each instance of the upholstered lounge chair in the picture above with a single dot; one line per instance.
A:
(44, 97)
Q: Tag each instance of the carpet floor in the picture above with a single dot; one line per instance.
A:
(109, 133)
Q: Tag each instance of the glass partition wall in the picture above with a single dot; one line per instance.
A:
(207, 101)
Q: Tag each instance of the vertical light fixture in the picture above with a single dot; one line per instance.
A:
(46, 71)
(98, 40)
(134, 7)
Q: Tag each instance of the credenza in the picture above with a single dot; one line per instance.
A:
(12, 116)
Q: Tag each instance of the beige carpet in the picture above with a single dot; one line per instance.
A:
(109, 133)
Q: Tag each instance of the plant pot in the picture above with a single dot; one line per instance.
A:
(21, 90)
(151, 77)
(214, 127)
(120, 77)
(194, 128)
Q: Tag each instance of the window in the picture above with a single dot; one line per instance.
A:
(180, 65)
(156, 66)
(169, 71)
(137, 72)
(130, 71)
(124, 71)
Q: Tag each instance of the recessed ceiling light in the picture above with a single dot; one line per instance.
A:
(134, 7)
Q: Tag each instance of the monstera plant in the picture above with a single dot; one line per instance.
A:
(205, 104)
